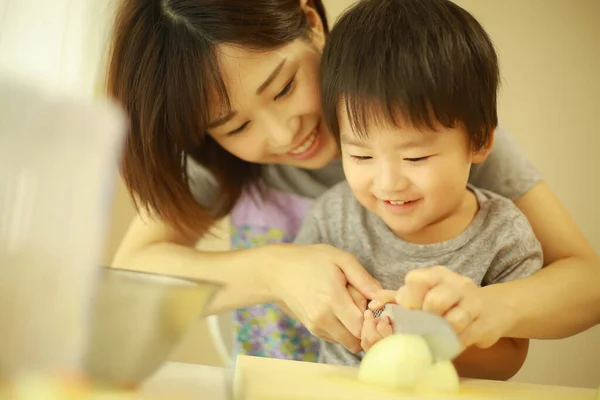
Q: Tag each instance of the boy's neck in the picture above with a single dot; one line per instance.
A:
(450, 226)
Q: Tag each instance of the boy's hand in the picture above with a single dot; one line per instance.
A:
(374, 329)
(475, 314)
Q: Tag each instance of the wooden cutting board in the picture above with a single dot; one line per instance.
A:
(258, 378)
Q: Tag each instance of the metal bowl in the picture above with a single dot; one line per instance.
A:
(137, 321)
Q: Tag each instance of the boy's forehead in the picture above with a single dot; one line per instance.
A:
(391, 136)
(359, 117)
(360, 120)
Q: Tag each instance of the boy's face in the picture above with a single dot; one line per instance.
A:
(414, 180)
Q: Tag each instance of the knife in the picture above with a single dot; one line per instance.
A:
(437, 332)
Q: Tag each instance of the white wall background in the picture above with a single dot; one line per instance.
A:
(57, 42)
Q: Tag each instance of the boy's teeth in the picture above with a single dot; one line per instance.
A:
(398, 203)
(305, 146)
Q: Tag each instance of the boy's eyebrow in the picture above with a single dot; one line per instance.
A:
(352, 141)
(421, 141)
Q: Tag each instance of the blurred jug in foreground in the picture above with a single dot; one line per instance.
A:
(58, 161)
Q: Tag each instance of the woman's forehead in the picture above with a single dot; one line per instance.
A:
(247, 73)
(243, 67)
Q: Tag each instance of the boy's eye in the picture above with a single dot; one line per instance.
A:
(360, 159)
(417, 160)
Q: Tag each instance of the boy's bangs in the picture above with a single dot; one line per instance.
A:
(365, 114)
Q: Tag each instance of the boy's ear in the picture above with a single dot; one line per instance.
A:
(481, 154)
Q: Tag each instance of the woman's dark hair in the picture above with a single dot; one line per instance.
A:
(163, 69)
(428, 61)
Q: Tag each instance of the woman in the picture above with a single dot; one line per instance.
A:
(225, 119)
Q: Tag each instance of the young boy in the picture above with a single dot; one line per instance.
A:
(409, 90)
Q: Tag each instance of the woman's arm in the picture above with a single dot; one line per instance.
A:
(558, 301)
(152, 246)
(311, 282)
(502, 361)
(563, 298)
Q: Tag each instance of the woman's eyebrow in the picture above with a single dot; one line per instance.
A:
(221, 120)
(271, 77)
(224, 119)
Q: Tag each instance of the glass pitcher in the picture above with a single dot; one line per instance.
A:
(58, 160)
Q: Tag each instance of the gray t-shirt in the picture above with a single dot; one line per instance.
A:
(264, 329)
(498, 246)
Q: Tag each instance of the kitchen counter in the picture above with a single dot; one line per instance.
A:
(179, 381)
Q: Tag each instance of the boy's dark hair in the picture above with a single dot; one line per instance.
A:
(426, 61)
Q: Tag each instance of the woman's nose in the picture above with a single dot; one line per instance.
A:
(283, 132)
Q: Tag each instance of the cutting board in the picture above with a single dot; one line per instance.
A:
(258, 378)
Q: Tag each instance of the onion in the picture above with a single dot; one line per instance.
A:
(405, 362)
(396, 361)
(441, 377)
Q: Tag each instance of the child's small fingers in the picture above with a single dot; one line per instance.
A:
(369, 333)
(369, 340)
(369, 326)
(372, 337)
(384, 327)
(366, 345)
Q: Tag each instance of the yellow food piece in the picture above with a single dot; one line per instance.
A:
(441, 377)
(397, 361)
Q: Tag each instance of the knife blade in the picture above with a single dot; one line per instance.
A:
(437, 332)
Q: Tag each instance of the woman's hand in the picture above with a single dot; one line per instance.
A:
(478, 317)
(359, 300)
(314, 282)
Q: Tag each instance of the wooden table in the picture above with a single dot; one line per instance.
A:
(189, 382)
(278, 379)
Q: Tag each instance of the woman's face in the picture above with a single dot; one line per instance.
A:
(275, 115)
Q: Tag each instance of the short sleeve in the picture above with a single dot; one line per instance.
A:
(519, 253)
(319, 220)
(506, 171)
(309, 232)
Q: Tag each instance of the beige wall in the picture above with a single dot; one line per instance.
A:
(550, 62)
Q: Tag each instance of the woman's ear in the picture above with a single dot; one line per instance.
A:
(315, 23)
(481, 154)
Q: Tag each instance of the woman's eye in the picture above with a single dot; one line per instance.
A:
(286, 89)
(238, 130)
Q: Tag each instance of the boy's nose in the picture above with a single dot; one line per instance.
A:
(391, 179)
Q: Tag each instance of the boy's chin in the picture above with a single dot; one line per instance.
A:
(409, 231)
